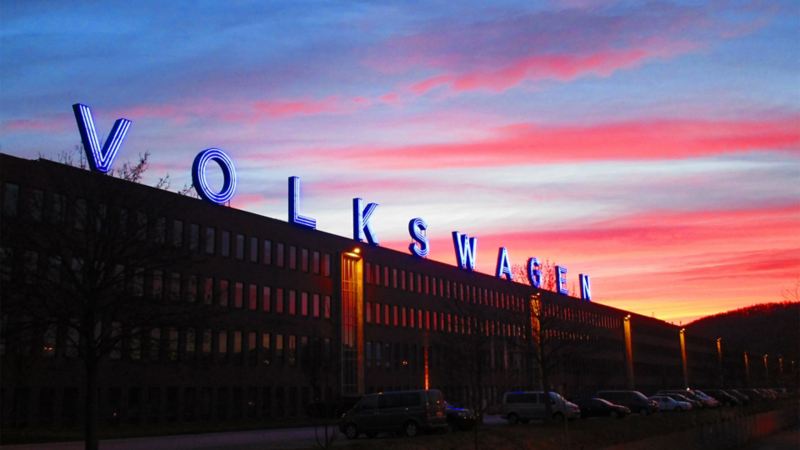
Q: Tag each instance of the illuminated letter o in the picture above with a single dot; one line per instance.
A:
(228, 173)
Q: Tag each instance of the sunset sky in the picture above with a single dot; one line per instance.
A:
(655, 146)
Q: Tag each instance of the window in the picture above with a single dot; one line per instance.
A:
(394, 278)
(266, 299)
(291, 350)
(315, 306)
(191, 342)
(191, 289)
(292, 257)
(240, 247)
(237, 342)
(155, 344)
(10, 199)
(315, 262)
(208, 290)
(222, 343)
(210, 240)
(254, 249)
(158, 284)
(304, 303)
(177, 233)
(368, 310)
(58, 204)
(238, 294)
(304, 259)
(172, 344)
(252, 297)
(80, 214)
(226, 243)
(265, 348)
(279, 254)
(279, 348)
(266, 255)
(386, 276)
(36, 204)
(386, 319)
(327, 307)
(161, 230)
(174, 286)
(206, 344)
(394, 315)
(279, 300)
(326, 265)
(377, 315)
(223, 292)
(194, 237)
(292, 302)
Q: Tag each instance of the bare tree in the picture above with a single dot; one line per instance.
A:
(319, 367)
(78, 272)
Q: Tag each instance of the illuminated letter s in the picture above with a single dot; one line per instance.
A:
(421, 247)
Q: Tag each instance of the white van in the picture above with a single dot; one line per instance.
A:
(523, 406)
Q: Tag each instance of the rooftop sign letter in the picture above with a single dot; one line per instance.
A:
(361, 226)
(228, 173)
(294, 206)
(503, 266)
(417, 229)
(100, 160)
(465, 247)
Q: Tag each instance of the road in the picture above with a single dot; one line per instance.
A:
(785, 440)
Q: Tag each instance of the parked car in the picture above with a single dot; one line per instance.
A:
(634, 400)
(697, 402)
(667, 403)
(723, 397)
(744, 398)
(459, 418)
(707, 400)
(523, 406)
(597, 407)
(682, 398)
(408, 412)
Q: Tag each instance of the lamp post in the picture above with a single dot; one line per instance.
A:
(719, 363)
(747, 369)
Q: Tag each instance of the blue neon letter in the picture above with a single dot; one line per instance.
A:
(361, 225)
(421, 247)
(534, 273)
(586, 287)
(465, 247)
(228, 173)
(294, 206)
(503, 267)
(561, 280)
(100, 160)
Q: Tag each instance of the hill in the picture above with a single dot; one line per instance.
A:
(772, 328)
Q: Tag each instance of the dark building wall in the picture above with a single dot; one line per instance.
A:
(424, 322)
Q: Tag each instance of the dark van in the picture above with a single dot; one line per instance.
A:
(407, 412)
(634, 400)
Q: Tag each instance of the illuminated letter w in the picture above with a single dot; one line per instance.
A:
(465, 250)
(100, 160)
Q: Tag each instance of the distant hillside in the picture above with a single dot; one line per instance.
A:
(772, 328)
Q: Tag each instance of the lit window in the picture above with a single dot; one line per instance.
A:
(240, 247)
(304, 303)
(252, 297)
(292, 302)
(266, 299)
(238, 294)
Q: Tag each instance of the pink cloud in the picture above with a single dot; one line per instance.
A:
(55, 124)
(646, 139)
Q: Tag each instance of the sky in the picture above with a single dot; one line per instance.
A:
(652, 145)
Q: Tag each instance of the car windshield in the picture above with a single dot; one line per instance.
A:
(555, 396)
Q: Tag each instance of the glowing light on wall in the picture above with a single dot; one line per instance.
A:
(561, 280)
(417, 228)
(684, 362)
(586, 287)
(99, 159)
(228, 173)
(465, 248)
(626, 328)
(503, 266)
(747, 368)
(427, 379)
(534, 272)
(361, 226)
(294, 206)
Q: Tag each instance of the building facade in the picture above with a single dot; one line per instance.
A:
(300, 318)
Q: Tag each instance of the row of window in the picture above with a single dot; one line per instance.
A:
(425, 284)
(401, 316)
(155, 404)
(176, 286)
(566, 313)
(178, 234)
(171, 344)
